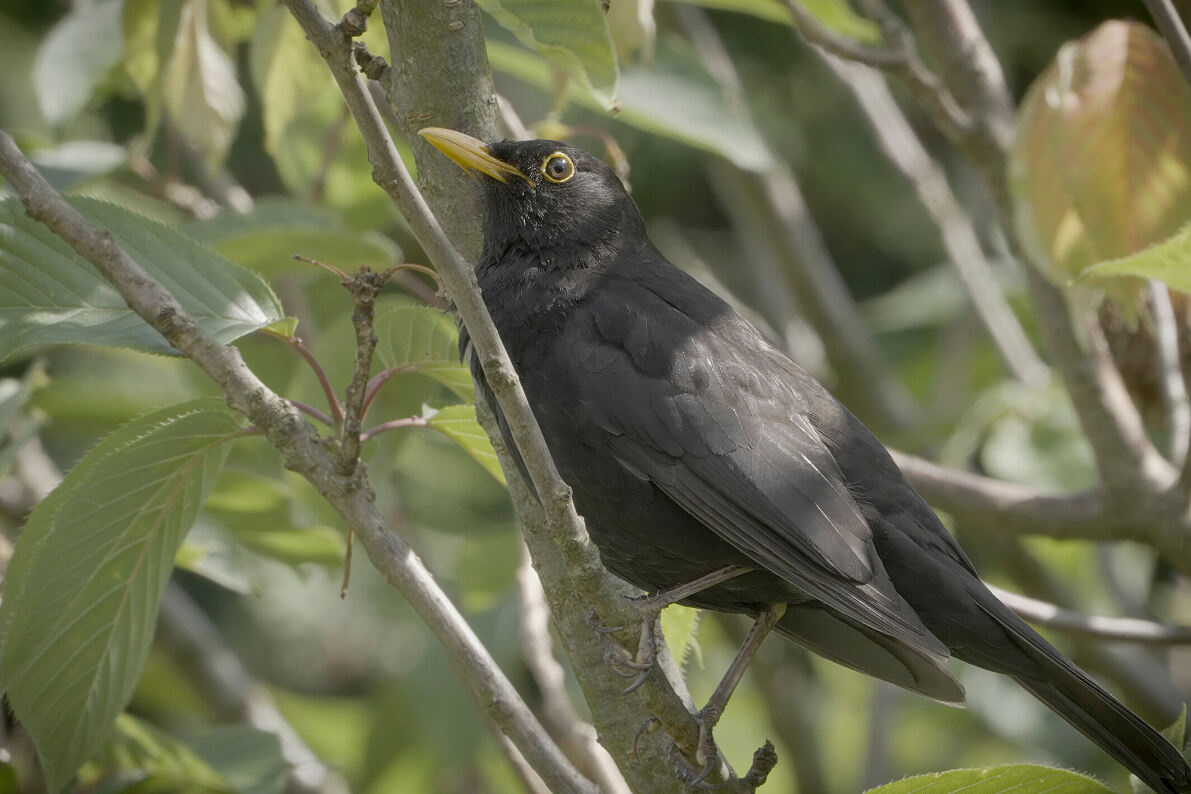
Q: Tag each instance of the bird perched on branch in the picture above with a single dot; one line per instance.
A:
(713, 471)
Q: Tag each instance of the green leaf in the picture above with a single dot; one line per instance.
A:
(421, 339)
(82, 590)
(675, 98)
(571, 33)
(142, 749)
(458, 423)
(76, 57)
(834, 14)
(680, 626)
(200, 89)
(72, 163)
(49, 294)
(248, 759)
(1169, 262)
(1020, 779)
(266, 239)
(1176, 732)
(1100, 169)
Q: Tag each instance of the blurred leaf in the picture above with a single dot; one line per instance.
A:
(148, 753)
(150, 32)
(51, 295)
(1169, 262)
(248, 759)
(307, 132)
(88, 571)
(266, 239)
(201, 92)
(76, 57)
(421, 339)
(633, 30)
(9, 784)
(571, 33)
(16, 428)
(69, 164)
(835, 14)
(458, 423)
(680, 626)
(675, 98)
(210, 552)
(1101, 167)
(1176, 732)
(1020, 779)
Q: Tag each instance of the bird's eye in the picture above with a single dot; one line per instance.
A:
(558, 168)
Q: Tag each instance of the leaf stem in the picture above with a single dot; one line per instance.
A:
(393, 424)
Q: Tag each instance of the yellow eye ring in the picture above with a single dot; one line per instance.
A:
(561, 176)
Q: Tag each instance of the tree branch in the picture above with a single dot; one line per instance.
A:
(194, 642)
(302, 453)
(1175, 33)
(902, 146)
(1094, 626)
(573, 574)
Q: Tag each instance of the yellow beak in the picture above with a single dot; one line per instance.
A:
(470, 154)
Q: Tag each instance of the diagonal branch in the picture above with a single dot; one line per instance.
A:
(301, 452)
(562, 543)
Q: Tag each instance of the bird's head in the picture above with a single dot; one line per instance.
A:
(545, 195)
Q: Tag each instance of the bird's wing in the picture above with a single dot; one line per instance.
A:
(688, 403)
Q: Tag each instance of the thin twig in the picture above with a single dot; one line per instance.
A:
(364, 286)
(1097, 626)
(566, 539)
(302, 453)
(1175, 33)
(313, 412)
(299, 346)
(393, 424)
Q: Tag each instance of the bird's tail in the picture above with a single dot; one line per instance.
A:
(1074, 696)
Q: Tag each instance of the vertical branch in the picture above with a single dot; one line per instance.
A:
(1170, 372)
(1175, 33)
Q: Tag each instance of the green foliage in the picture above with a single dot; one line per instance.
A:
(674, 97)
(88, 572)
(51, 295)
(139, 752)
(266, 239)
(680, 625)
(1020, 779)
(425, 340)
(1168, 261)
(1099, 170)
(835, 14)
(76, 57)
(571, 33)
(458, 423)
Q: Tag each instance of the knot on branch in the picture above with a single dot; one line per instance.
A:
(374, 67)
(354, 23)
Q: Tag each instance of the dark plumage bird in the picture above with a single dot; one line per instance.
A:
(692, 444)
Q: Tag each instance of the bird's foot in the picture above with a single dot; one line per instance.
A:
(764, 760)
(618, 658)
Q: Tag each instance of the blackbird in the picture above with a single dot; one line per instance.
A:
(714, 471)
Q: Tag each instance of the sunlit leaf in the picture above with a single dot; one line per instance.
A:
(76, 56)
(69, 164)
(85, 581)
(572, 33)
(675, 98)
(835, 14)
(633, 30)
(458, 423)
(49, 294)
(1169, 262)
(680, 625)
(201, 92)
(1101, 167)
(145, 751)
(1020, 779)
(421, 339)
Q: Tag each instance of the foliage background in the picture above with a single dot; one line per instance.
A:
(258, 126)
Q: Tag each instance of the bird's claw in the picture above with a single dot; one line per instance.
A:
(620, 660)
